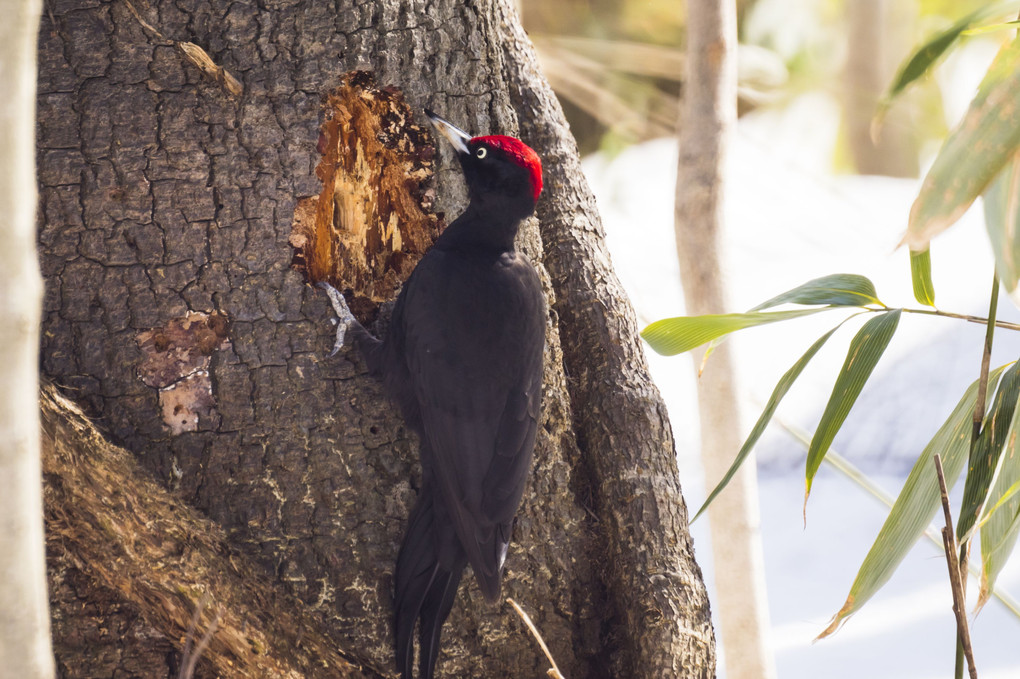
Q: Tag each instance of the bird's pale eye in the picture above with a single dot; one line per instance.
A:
(481, 152)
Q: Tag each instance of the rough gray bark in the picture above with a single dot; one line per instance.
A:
(167, 205)
(708, 115)
(24, 614)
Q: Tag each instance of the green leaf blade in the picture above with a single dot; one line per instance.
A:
(841, 289)
(920, 276)
(926, 55)
(1002, 217)
(836, 290)
(916, 505)
(783, 386)
(999, 533)
(973, 154)
(984, 462)
(1001, 26)
(866, 348)
(671, 336)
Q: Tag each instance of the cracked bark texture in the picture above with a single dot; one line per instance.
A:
(162, 195)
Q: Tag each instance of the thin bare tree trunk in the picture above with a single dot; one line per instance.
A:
(878, 34)
(707, 116)
(24, 612)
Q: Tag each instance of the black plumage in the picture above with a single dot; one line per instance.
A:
(463, 359)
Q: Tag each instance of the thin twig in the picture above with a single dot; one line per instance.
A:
(146, 25)
(49, 10)
(955, 576)
(1005, 325)
(553, 673)
(195, 54)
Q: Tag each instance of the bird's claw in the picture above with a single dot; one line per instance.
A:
(344, 317)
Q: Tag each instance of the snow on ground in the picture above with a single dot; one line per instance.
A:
(790, 220)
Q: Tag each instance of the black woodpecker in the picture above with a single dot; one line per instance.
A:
(463, 359)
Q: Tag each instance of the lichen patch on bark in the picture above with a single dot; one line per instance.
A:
(373, 219)
(176, 360)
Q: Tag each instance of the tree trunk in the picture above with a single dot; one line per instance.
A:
(24, 615)
(706, 120)
(185, 209)
(878, 36)
(109, 523)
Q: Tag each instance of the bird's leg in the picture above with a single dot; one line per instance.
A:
(344, 318)
(347, 326)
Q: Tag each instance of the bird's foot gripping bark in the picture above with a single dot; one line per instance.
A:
(344, 318)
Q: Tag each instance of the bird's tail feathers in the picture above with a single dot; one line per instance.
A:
(485, 547)
(434, 611)
(492, 548)
(426, 586)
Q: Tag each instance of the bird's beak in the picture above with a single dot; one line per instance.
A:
(456, 136)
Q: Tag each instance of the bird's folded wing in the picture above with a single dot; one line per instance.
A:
(479, 413)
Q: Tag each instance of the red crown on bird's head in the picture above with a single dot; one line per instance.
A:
(520, 153)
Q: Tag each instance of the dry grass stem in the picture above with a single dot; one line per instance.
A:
(191, 654)
(195, 54)
(554, 672)
(201, 58)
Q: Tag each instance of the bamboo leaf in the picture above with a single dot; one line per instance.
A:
(1007, 494)
(866, 348)
(834, 290)
(842, 289)
(920, 275)
(783, 386)
(847, 469)
(672, 336)
(1002, 526)
(927, 54)
(973, 154)
(916, 505)
(991, 28)
(986, 456)
(1002, 214)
